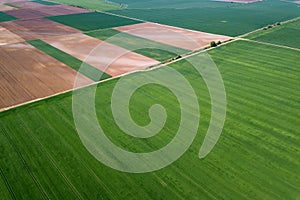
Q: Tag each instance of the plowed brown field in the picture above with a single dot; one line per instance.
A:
(109, 58)
(38, 28)
(32, 75)
(174, 36)
(7, 37)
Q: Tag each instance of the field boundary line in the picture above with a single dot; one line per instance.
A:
(122, 16)
(270, 44)
(261, 29)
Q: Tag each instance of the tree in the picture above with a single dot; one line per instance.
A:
(213, 44)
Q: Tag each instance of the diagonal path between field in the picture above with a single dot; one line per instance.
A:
(270, 44)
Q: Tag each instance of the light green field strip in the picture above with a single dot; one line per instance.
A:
(286, 35)
(88, 70)
(151, 49)
(256, 157)
(100, 5)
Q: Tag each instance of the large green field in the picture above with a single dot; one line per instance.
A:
(92, 21)
(149, 48)
(286, 34)
(257, 156)
(100, 5)
(179, 4)
(215, 17)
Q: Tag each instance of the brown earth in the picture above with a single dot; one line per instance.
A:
(109, 58)
(7, 37)
(31, 10)
(38, 28)
(61, 10)
(26, 13)
(33, 75)
(12, 1)
(6, 8)
(174, 36)
(25, 4)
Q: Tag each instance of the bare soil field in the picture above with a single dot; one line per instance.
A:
(38, 28)
(109, 58)
(6, 8)
(31, 10)
(25, 4)
(178, 37)
(26, 13)
(7, 37)
(61, 10)
(37, 75)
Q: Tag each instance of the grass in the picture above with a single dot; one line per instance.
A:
(149, 48)
(257, 156)
(6, 17)
(286, 34)
(47, 3)
(88, 70)
(92, 21)
(213, 17)
(99, 5)
(11, 5)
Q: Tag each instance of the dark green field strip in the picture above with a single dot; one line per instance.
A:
(6, 17)
(149, 48)
(92, 21)
(47, 3)
(286, 34)
(213, 17)
(100, 5)
(255, 158)
(84, 68)
(11, 5)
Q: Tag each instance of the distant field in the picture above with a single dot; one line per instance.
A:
(176, 4)
(5, 17)
(213, 17)
(256, 157)
(100, 5)
(89, 71)
(47, 3)
(149, 48)
(287, 35)
(92, 21)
